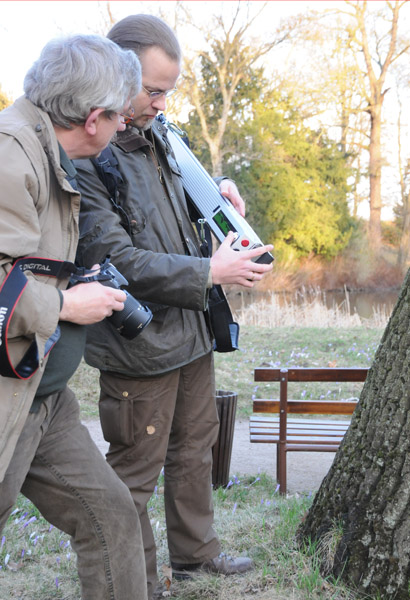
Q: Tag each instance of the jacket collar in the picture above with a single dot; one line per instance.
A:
(130, 140)
(43, 127)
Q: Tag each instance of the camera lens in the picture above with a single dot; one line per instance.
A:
(132, 319)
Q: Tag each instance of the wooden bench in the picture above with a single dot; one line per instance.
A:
(301, 434)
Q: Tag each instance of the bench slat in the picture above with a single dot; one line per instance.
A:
(298, 432)
(308, 407)
(311, 374)
(274, 421)
(298, 440)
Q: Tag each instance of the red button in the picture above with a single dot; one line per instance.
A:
(245, 243)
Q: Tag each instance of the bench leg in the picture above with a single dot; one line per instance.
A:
(281, 467)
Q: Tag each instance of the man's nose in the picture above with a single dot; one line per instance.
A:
(159, 103)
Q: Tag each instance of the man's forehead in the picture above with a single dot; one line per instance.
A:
(155, 63)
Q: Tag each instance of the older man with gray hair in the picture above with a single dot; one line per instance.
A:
(77, 95)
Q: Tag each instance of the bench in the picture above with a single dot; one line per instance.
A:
(301, 434)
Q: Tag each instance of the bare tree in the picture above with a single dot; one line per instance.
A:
(380, 48)
(404, 178)
(231, 53)
(356, 48)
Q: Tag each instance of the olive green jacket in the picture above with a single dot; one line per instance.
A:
(159, 255)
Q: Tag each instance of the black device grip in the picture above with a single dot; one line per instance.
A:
(265, 259)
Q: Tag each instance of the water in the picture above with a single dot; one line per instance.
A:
(362, 303)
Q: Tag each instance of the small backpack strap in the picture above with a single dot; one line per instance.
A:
(107, 168)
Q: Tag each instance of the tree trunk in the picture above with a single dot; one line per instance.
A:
(403, 254)
(361, 513)
(375, 173)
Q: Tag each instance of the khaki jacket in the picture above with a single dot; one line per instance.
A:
(38, 217)
(159, 256)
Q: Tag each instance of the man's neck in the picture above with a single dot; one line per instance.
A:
(71, 140)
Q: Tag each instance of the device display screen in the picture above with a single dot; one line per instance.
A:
(223, 223)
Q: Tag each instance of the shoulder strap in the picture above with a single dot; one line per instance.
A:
(107, 169)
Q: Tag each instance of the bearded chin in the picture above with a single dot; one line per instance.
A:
(148, 124)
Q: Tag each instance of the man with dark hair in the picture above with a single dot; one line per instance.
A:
(157, 401)
(76, 94)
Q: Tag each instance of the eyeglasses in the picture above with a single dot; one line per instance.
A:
(128, 116)
(158, 94)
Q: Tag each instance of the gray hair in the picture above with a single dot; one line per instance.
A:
(140, 32)
(79, 73)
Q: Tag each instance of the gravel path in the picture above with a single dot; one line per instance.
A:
(305, 469)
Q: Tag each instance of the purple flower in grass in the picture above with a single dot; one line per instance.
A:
(29, 521)
(257, 479)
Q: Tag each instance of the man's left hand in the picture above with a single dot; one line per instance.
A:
(229, 190)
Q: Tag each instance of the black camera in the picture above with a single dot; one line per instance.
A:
(134, 317)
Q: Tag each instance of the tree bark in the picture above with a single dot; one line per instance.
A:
(361, 513)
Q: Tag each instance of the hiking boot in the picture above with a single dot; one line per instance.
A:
(222, 564)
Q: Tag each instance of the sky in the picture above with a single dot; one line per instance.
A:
(26, 26)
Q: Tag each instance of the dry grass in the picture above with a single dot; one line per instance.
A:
(307, 308)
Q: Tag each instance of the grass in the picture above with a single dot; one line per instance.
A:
(37, 563)
(251, 518)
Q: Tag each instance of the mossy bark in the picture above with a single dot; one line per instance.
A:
(366, 494)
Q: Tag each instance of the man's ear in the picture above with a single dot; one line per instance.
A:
(91, 122)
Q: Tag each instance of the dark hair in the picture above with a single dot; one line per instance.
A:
(140, 32)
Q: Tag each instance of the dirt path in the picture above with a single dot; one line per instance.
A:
(305, 469)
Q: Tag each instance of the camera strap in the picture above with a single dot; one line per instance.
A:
(10, 294)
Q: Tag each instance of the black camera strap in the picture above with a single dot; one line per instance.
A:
(10, 294)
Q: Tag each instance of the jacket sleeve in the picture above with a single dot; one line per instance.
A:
(39, 306)
(169, 279)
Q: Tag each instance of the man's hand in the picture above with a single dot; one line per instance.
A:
(236, 267)
(88, 303)
(228, 189)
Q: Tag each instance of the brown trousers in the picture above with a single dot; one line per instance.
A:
(60, 469)
(168, 421)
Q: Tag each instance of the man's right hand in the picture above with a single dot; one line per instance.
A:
(236, 267)
(88, 303)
